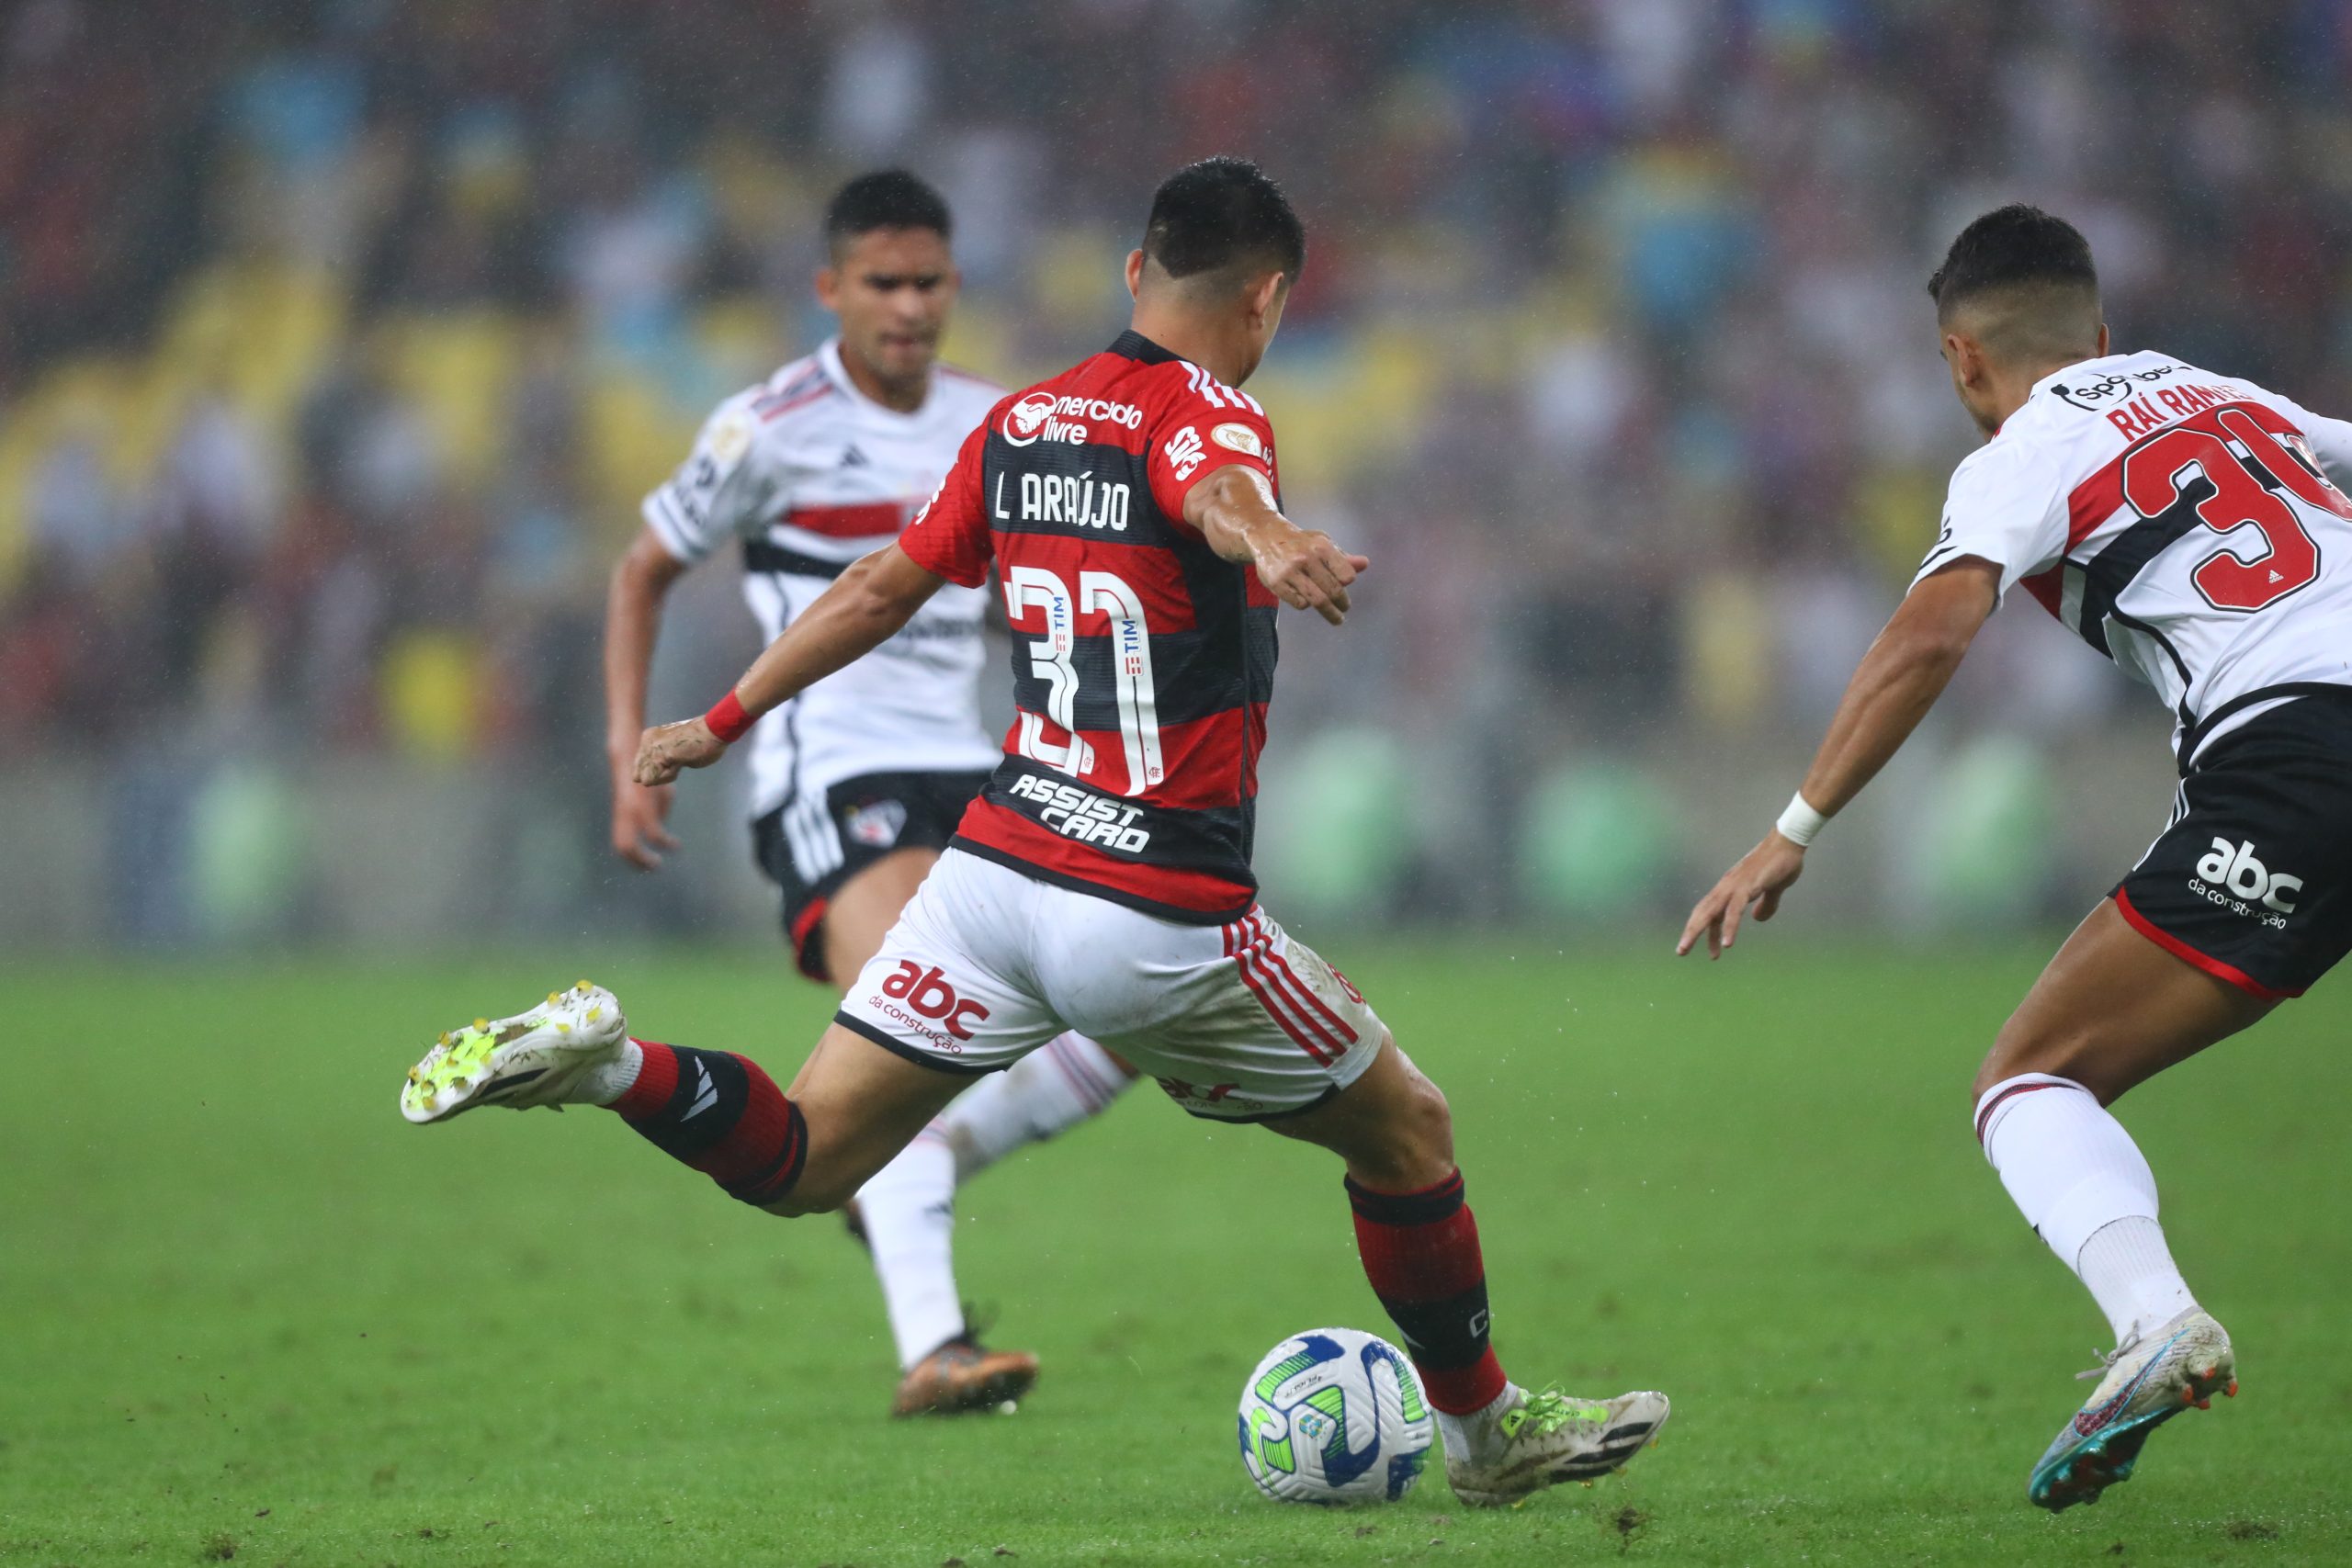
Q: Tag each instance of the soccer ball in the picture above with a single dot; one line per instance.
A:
(1335, 1416)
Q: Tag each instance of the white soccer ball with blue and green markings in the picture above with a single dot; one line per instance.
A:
(1335, 1415)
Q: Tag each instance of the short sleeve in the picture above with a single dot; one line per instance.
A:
(949, 537)
(721, 491)
(2003, 507)
(1199, 438)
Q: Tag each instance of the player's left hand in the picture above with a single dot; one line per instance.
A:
(667, 749)
(1305, 571)
(1764, 872)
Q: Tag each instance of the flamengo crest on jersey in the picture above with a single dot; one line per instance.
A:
(810, 474)
(1142, 663)
(2189, 526)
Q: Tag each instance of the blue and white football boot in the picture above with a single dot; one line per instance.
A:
(2145, 1383)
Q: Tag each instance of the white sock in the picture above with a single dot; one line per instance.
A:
(908, 1211)
(2074, 1172)
(1052, 1089)
(2129, 1270)
(607, 1081)
(1478, 1436)
(909, 1206)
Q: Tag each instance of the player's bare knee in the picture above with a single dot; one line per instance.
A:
(2071, 1053)
(1415, 1148)
(1431, 1125)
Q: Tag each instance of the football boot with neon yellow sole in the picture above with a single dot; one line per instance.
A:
(2143, 1384)
(1548, 1438)
(533, 1058)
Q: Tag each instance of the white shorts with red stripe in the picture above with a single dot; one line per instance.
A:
(1238, 1022)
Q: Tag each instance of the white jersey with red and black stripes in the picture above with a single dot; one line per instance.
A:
(2190, 527)
(808, 474)
(1143, 663)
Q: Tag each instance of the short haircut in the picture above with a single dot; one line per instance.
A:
(887, 199)
(2028, 278)
(1221, 220)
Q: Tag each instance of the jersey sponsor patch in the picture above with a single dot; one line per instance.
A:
(1076, 812)
(731, 437)
(1238, 438)
(1185, 453)
(1025, 419)
(941, 1015)
(2234, 866)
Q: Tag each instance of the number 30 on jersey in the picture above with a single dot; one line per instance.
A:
(2157, 476)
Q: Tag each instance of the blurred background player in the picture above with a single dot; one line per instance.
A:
(1102, 879)
(2190, 526)
(857, 783)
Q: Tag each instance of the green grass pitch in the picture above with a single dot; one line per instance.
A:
(248, 1314)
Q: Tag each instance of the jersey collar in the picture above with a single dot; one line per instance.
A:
(1133, 345)
(2067, 372)
(829, 355)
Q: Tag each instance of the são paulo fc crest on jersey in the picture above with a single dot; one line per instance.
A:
(877, 826)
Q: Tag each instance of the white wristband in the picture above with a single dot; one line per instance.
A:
(1799, 822)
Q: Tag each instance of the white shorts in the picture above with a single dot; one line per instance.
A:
(1238, 1022)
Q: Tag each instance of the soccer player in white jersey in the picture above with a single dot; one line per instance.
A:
(2190, 527)
(857, 784)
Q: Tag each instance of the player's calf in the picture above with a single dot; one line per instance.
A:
(721, 1114)
(1419, 1245)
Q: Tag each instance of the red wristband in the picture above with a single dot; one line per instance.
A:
(726, 719)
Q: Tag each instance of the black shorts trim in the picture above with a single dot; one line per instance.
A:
(2251, 881)
(897, 1047)
(1173, 913)
(2195, 734)
(763, 556)
(2195, 958)
(930, 804)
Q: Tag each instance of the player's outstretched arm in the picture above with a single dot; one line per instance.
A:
(1234, 509)
(865, 607)
(640, 581)
(1897, 682)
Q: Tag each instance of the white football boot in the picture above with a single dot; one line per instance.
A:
(2147, 1381)
(1542, 1439)
(533, 1058)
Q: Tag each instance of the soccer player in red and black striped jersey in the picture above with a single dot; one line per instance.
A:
(857, 784)
(1102, 881)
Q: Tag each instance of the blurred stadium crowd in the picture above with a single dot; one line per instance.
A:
(339, 340)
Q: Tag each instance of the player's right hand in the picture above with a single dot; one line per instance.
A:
(1763, 873)
(1305, 571)
(667, 749)
(639, 818)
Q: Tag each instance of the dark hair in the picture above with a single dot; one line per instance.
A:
(1221, 214)
(2011, 245)
(887, 199)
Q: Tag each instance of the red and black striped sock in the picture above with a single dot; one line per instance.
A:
(1420, 1252)
(720, 1113)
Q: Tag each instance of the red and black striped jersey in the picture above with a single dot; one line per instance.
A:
(1142, 662)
